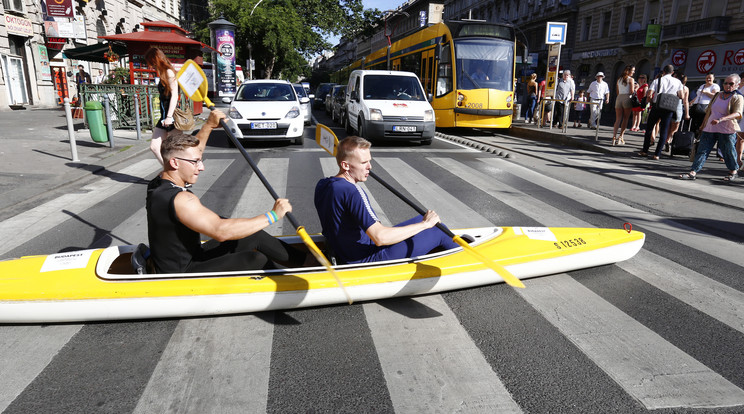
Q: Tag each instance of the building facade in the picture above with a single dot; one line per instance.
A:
(34, 34)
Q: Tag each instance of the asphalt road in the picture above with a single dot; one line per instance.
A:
(661, 332)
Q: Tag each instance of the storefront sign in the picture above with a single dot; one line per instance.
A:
(46, 73)
(226, 81)
(595, 53)
(172, 51)
(721, 60)
(56, 43)
(59, 8)
(18, 25)
(679, 57)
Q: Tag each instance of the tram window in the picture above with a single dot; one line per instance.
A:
(484, 63)
(444, 77)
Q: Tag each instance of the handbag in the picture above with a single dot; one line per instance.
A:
(666, 101)
(183, 120)
(635, 101)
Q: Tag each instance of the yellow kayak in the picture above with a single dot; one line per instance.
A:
(100, 284)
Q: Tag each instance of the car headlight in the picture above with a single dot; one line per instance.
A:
(293, 113)
(428, 115)
(375, 115)
(234, 114)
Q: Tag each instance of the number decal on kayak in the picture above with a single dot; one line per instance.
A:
(569, 243)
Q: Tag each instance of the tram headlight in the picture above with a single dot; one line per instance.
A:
(460, 98)
(375, 115)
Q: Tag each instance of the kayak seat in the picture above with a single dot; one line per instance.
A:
(139, 259)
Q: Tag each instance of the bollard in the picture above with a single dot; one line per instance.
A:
(71, 131)
(152, 116)
(137, 115)
(108, 121)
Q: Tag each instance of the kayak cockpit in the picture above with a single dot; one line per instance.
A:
(115, 262)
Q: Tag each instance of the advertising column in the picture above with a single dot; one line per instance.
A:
(223, 39)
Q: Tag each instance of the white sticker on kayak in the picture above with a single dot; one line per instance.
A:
(66, 261)
(538, 233)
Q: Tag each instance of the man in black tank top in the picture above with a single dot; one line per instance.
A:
(176, 218)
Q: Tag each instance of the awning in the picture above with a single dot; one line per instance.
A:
(94, 53)
(150, 36)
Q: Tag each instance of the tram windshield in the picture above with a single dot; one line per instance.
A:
(484, 64)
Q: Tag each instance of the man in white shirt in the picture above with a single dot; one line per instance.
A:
(99, 77)
(664, 84)
(599, 93)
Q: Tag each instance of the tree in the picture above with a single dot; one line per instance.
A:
(284, 34)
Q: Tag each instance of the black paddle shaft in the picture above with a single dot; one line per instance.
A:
(253, 165)
(410, 202)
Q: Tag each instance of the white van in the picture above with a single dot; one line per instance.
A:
(383, 104)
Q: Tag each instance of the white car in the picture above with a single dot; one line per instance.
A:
(307, 113)
(268, 110)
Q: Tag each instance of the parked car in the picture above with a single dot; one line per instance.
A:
(268, 110)
(382, 104)
(329, 98)
(320, 94)
(307, 113)
(339, 105)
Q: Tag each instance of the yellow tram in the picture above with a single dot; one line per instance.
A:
(467, 66)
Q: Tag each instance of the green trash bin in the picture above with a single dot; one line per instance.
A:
(94, 115)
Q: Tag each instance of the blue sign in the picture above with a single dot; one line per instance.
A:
(556, 33)
(422, 18)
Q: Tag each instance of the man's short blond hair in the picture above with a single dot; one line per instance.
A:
(349, 145)
(176, 141)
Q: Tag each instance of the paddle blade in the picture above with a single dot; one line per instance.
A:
(327, 140)
(320, 257)
(193, 82)
(509, 278)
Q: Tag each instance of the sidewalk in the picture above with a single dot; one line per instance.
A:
(36, 158)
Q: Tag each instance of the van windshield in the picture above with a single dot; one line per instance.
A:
(392, 87)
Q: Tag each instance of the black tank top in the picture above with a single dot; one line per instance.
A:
(172, 244)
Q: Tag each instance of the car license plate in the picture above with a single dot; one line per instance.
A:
(263, 125)
(403, 128)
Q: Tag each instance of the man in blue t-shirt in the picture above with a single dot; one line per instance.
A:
(352, 228)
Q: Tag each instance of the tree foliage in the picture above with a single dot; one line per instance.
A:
(282, 35)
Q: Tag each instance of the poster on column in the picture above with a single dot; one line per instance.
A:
(46, 72)
(225, 62)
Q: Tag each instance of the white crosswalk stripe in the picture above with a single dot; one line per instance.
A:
(430, 363)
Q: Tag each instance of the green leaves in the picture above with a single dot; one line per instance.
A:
(284, 34)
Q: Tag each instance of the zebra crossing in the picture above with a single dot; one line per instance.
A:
(454, 352)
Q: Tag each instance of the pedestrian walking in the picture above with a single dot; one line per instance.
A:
(683, 109)
(579, 108)
(168, 89)
(641, 94)
(625, 87)
(699, 104)
(599, 94)
(564, 92)
(531, 98)
(665, 83)
(720, 126)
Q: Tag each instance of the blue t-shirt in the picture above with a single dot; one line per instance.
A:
(345, 214)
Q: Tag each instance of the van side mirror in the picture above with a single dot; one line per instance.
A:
(354, 95)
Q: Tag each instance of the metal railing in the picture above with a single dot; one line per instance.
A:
(566, 111)
(124, 105)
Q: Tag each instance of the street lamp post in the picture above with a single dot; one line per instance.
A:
(391, 13)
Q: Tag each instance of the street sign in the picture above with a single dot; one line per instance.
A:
(556, 33)
(653, 35)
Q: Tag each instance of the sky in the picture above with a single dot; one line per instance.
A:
(381, 5)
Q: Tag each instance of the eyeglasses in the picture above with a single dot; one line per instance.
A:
(194, 162)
